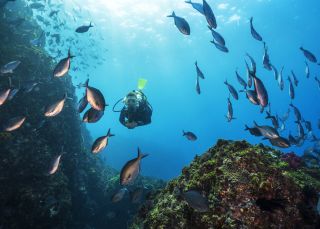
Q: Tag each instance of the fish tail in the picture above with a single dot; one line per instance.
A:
(141, 155)
(209, 27)
(172, 15)
(255, 123)
(90, 25)
(196, 63)
(86, 83)
(189, 2)
(183, 133)
(69, 54)
(109, 134)
(226, 82)
(246, 127)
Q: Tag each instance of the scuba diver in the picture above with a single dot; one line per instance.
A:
(136, 111)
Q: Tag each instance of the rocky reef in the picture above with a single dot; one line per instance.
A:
(246, 187)
(79, 194)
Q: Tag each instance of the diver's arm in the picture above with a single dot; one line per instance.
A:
(146, 116)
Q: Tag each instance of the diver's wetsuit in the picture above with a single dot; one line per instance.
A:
(142, 116)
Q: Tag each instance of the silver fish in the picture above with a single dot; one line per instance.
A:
(82, 104)
(296, 112)
(266, 58)
(101, 143)
(95, 97)
(13, 93)
(261, 91)
(118, 196)
(92, 115)
(189, 135)
(217, 36)
(254, 33)
(229, 115)
(253, 131)
(280, 79)
(14, 123)
(198, 86)
(252, 96)
(4, 95)
(55, 108)
(249, 77)
(220, 47)
(199, 72)
(309, 55)
(295, 80)
(275, 72)
(181, 24)
(267, 131)
(232, 91)
(241, 80)
(84, 28)
(54, 165)
(62, 68)
(131, 169)
(211, 19)
(291, 89)
(10, 67)
(307, 71)
(318, 81)
(280, 142)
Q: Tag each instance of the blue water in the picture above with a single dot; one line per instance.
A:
(134, 39)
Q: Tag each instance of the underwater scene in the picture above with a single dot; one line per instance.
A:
(159, 114)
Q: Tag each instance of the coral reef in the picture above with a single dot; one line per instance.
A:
(246, 186)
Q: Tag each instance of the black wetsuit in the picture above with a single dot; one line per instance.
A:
(142, 116)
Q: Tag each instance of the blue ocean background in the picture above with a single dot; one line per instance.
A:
(134, 39)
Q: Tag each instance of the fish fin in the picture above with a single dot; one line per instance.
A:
(226, 82)
(183, 133)
(255, 123)
(196, 63)
(210, 27)
(90, 25)
(189, 2)
(172, 15)
(246, 127)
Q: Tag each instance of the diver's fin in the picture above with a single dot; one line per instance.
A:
(142, 83)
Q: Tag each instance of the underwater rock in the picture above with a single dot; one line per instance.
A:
(246, 186)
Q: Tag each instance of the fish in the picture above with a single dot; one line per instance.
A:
(254, 33)
(196, 200)
(53, 13)
(181, 24)
(282, 126)
(4, 94)
(307, 71)
(198, 86)
(274, 119)
(29, 86)
(101, 143)
(55, 108)
(62, 68)
(95, 97)
(267, 131)
(252, 96)
(37, 41)
(280, 79)
(229, 115)
(318, 81)
(131, 169)
(275, 72)
(309, 55)
(189, 135)
(286, 115)
(295, 80)
(296, 112)
(136, 195)
(196, 6)
(82, 104)
(54, 165)
(253, 64)
(84, 28)
(92, 115)
(13, 123)
(253, 131)
(241, 80)
(217, 36)
(118, 196)
(10, 67)
(280, 142)
(301, 132)
(249, 77)
(261, 91)
(291, 89)
(199, 72)
(13, 93)
(266, 58)
(308, 125)
(232, 90)
(211, 19)
(220, 47)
